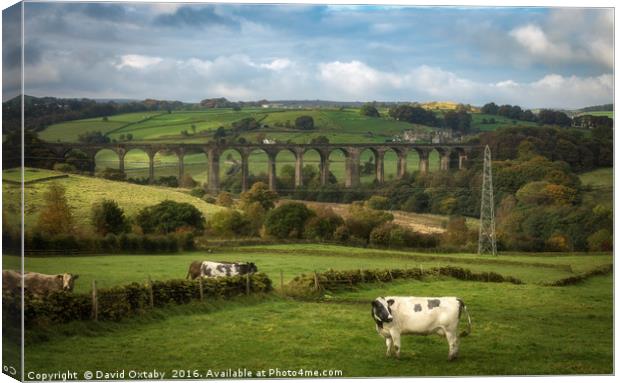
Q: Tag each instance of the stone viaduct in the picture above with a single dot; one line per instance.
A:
(452, 156)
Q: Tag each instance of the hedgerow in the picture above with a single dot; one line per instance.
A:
(334, 280)
(116, 303)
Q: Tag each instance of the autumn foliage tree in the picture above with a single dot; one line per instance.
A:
(55, 216)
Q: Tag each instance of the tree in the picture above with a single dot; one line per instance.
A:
(490, 108)
(107, 217)
(456, 233)
(224, 199)
(220, 132)
(413, 114)
(93, 138)
(168, 216)
(255, 214)
(304, 123)
(259, 192)
(55, 215)
(369, 110)
(319, 140)
(287, 220)
(458, 121)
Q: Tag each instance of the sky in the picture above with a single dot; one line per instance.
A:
(533, 57)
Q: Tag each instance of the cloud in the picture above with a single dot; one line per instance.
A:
(534, 40)
(137, 61)
(201, 16)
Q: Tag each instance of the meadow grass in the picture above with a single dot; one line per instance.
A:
(500, 122)
(608, 113)
(82, 192)
(30, 174)
(517, 330)
(345, 125)
(296, 259)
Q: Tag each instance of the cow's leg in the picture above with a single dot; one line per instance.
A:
(389, 344)
(453, 344)
(396, 342)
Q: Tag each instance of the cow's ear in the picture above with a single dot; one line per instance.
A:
(390, 302)
(76, 276)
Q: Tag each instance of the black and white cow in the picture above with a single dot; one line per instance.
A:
(396, 316)
(210, 269)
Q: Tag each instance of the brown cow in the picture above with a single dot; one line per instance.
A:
(194, 270)
(43, 284)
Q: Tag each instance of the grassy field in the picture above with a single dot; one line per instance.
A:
(601, 181)
(296, 259)
(500, 122)
(339, 125)
(510, 322)
(82, 192)
(609, 114)
(30, 175)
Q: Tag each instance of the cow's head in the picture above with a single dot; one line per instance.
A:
(252, 267)
(381, 311)
(67, 281)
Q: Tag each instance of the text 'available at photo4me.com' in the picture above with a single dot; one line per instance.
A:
(155, 374)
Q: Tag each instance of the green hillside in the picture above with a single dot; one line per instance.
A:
(82, 192)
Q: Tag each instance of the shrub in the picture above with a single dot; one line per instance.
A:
(229, 222)
(287, 220)
(224, 199)
(602, 240)
(65, 168)
(108, 217)
(378, 203)
(187, 181)
(168, 216)
(304, 123)
(323, 225)
(361, 220)
(170, 181)
(197, 192)
(112, 174)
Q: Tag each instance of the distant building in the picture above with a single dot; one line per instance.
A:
(434, 137)
(267, 141)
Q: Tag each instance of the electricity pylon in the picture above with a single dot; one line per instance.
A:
(486, 236)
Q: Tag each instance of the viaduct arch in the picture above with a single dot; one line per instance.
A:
(452, 156)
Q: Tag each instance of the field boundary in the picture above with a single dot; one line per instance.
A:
(575, 279)
(415, 257)
(42, 179)
(317, 284)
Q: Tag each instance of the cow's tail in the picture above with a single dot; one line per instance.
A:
(463, 308)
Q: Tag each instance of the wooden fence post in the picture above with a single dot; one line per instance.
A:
(362, 274)
(316, 281)
(200, 287)
(247, 284)
(281, 280)
(391, 276)
(151, 298)
(95, 302)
